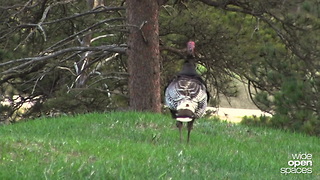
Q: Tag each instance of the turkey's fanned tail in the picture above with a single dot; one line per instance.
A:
(187, 97)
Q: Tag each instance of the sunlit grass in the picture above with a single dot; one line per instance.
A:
(129, 145)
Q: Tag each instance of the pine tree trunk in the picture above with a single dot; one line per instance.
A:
(143, 55)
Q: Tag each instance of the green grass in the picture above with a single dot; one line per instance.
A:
(129, 145)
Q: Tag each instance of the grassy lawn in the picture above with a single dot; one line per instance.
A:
(129, 145)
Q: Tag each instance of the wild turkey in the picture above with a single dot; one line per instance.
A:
(187, 95)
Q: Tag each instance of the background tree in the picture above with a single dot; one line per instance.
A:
(284, 77)
(58, 54)
(144, 55)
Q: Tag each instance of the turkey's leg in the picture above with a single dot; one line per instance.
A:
(179, 125)
(190, 125)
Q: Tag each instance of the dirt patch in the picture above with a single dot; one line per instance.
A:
(234, 114)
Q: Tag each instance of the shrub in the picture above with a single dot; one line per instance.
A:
(296, 106)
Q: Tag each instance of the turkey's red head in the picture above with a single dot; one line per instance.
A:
(190, 48)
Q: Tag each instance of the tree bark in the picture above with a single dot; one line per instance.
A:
(143, 55)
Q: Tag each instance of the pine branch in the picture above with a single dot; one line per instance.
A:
(29, 60)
